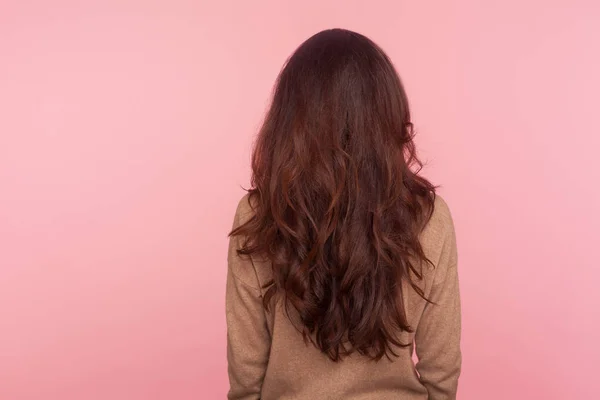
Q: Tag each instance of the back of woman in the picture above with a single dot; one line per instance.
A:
(342, 259)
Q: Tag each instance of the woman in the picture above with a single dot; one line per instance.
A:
(341, 256)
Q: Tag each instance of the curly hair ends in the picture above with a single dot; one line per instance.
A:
(338, 202)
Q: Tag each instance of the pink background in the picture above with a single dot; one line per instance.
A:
(125, 132)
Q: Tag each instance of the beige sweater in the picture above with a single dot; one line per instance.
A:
(269, 360)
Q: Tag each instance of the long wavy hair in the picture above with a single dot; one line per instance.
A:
(338, 205)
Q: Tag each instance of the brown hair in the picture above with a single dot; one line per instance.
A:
(338, 204)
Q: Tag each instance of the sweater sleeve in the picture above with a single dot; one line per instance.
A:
(248, 339)
(437, 338)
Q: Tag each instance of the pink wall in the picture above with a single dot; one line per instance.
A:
(125, 129)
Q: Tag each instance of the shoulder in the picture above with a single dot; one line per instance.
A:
(441, 222)
(244, 210)
(246, 268)
(438, 237)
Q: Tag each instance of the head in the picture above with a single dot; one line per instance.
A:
(338, 202)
